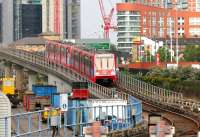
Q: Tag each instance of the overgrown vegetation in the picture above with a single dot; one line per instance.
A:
(192, 53)
(185, 80)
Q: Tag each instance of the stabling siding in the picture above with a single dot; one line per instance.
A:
(5, 108)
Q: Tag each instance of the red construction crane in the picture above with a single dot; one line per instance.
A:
(106, 19)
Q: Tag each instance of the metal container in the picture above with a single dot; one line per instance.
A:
(31, 100)
(113, 113)
(75, 115)
(55, 100)
(44, 90)
(135, 110)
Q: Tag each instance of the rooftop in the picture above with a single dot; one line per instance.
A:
(30, 41)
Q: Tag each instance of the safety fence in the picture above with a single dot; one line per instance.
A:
(73, 121)
(154, 93)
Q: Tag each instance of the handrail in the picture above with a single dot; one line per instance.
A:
(154, 93)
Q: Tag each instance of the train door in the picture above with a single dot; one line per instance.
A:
(91, 67)
(86, 65)
(76, 61)
(83, 64)
(51, 51)
(72, 58)
(68, 57)
(63, 55)
(56, 53)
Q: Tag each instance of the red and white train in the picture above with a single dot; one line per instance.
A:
(96, 66)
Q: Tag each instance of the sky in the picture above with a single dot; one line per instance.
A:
(91, 19)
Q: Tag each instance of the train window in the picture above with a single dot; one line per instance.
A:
(83, 85)
(54, 50)
(101, 63)
(91, 68)
(66, 56)
(85, 63)
(76, 59)
(98, 63)
(108, 63)
(64, 52)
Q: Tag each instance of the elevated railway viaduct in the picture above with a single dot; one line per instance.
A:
(126, 85)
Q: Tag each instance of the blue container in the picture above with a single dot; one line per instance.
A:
(72, 115)
(135, 104)
(55, 100)
(44, 90)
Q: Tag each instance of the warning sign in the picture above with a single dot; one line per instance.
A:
(64, 102)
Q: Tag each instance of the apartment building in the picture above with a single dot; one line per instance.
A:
(138, 19)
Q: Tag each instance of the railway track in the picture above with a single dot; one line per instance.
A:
(186, 124)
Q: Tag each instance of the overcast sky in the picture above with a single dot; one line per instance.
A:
(91, 19)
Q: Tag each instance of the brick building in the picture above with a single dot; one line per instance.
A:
(156, 19)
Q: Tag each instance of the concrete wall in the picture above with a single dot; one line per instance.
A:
(61, 85)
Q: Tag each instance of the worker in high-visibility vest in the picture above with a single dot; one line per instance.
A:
(54, 122)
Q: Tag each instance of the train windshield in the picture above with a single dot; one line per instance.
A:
(105, 62)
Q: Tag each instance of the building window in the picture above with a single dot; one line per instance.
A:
(194, 21)
(194, 31)
(181, 21)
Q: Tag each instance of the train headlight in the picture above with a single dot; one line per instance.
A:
(97, 73)
(113, 73)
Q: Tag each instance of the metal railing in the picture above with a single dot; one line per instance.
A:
(39, 123)
(153, 93)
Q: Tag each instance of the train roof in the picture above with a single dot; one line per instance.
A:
(91, 50)
(79, 47)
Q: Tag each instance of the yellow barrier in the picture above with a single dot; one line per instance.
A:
(8, 86)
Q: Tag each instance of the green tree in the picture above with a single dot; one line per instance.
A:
(192, 53)
(113, 47)
(164, 54)
(148, 57)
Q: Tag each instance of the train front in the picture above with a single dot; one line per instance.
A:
(105, 68)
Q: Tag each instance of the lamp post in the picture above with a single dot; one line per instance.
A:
(170, 39)
(176, 35)
(177, 60)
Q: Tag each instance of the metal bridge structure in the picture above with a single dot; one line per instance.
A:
(139, 89)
